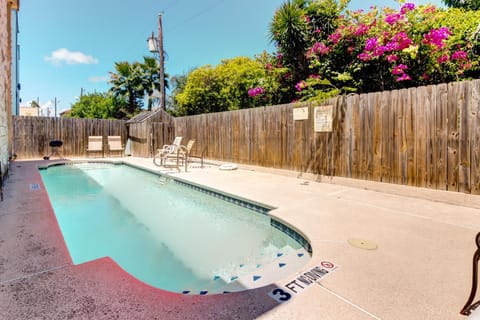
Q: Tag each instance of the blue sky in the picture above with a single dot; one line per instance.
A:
(69, 45)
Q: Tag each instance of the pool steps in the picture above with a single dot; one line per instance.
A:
(283, 266)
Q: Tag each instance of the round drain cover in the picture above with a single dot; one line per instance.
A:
(362, 244)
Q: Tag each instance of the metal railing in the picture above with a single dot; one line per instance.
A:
(469, 306)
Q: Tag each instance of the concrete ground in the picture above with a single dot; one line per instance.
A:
(420, 267)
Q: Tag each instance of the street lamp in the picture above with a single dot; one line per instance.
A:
(155, 45)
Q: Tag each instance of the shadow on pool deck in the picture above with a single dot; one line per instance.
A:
(39, 281)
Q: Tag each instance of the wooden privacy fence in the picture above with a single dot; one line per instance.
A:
(32, 135)
(425, 137)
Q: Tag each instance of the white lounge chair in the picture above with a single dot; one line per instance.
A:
(166, 151)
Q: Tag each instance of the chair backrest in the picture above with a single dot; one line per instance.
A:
(95, 143)
(177, 141)
(114, 142)
(189, 145)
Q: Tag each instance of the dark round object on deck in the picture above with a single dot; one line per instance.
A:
(56, 143)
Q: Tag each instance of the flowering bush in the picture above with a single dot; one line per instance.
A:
(389, 49)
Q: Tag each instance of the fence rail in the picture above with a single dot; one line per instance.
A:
(32, 135)
(425, 137)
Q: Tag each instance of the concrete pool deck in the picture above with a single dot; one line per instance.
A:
(421, 268)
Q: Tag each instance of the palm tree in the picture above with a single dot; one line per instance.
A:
(127, 85)
(151, 79)
(289, 31)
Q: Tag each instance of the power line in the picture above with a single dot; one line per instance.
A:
(171, 4)
(196, 15)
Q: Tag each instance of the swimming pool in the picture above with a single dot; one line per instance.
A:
(169, 234)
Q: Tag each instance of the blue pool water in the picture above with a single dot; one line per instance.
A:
(165, 234)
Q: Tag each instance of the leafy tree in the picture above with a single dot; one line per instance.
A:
(97, 105)
(178, 84)
(237, 76)
(221, 88)
(465, 4)
(202, 93)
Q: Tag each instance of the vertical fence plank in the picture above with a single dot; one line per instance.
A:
(441, 135)
(465, 109)
(420, 141)
(475, 138)
(453, 135)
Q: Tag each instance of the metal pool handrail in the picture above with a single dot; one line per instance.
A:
(469, 307)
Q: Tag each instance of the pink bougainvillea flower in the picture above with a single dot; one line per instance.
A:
(319, 48)
(378, 51)
(253, 92)
(443, 59)
(301, 85)
(402, 40)
(391, 46)
(407, 7)
(436, 37)
(459, 55)
(364, 56)
(335, 37)
(425, 77)
(361, 30)
(393, 18)
(392, 58)
(404, 77)
(429, 9)
(400, 69)
(371, 44)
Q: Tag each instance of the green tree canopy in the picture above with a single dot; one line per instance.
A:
(221, 88)
(98, 106)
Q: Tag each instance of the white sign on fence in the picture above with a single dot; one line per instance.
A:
(323, 116)
(300, 113)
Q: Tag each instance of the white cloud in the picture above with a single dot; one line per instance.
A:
(64, 55)
(98, 79)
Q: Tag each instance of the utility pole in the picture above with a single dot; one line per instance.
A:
(162, 71)
(55, 107)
